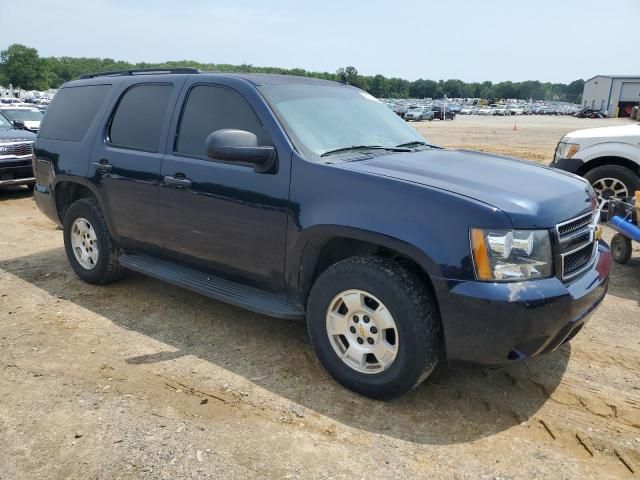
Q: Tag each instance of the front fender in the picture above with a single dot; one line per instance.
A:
(426, 224)
(611, 149)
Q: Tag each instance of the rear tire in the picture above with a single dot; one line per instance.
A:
(88, 243)
(409, 350)
(620, 248)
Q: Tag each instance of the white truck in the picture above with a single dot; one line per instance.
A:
(609, 157)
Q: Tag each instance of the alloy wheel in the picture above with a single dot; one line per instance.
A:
(362, 331)
(84, 243)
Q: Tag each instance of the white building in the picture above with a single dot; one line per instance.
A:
(616, 94)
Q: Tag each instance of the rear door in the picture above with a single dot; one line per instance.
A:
(126, 159)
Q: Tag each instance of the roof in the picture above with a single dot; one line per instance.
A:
(630, 77)
(274, 79)
(254, 78)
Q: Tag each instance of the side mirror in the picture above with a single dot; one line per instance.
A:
(18, 124)
(240, 147)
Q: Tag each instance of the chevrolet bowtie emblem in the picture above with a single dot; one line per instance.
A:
(361, 330)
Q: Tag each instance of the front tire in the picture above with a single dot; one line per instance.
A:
(88, 243)
(613, 181)
(374, 325)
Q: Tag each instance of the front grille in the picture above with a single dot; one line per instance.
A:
(18, 149)
(574, 225)
(577, 243)
(574, 262)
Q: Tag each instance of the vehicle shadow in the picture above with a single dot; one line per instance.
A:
(625, 279)
(16, 191)
(453, 406)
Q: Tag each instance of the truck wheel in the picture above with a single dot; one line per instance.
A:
(613, 181)
(374, 326)
(88, 243)
(620, 248)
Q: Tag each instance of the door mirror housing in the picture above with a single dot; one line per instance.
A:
(18, 124)
(240, 147)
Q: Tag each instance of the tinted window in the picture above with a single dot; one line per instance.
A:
(211, 108)
(139, 117)
(72, 111)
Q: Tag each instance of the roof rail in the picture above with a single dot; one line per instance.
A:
(141, 71)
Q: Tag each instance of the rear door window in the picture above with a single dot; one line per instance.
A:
(209, 108)
(137, 121)
(71, 112)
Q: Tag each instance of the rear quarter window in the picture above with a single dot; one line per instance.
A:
(71, 112)
(137, 121)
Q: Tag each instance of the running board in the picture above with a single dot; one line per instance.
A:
(242, 296)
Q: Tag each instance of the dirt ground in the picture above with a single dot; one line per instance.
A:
(139, 379)
(534, 137)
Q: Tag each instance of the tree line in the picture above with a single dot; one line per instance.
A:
(23, 67)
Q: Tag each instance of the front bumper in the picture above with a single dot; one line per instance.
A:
(571, 165)
(16, 171)
(493, 323)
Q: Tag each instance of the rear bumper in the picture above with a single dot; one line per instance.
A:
(46, 202)
(571, 165)
(494, 323)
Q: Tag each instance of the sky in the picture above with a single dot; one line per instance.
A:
(472, 40)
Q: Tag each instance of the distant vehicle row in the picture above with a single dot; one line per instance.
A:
(450, 109)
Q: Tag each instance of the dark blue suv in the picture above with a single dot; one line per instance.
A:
(301, 198)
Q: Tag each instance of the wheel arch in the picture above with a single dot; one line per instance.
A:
(328, 245)
(609, 160)
(69, 189)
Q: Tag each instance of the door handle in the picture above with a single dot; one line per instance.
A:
(177, 182)
(102, 166)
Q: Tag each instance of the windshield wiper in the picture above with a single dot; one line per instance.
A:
(416, 143)
(364, 147)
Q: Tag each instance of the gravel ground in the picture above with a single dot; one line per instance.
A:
(139, 379)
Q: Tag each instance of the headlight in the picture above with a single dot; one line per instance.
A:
(565, 150)
(511, 255)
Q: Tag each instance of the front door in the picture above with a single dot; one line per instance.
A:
(221, 217)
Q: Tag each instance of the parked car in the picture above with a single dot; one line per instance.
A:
(16, 152)
(418, 114)
(466, 110)
(500, 110)
(11, 101)
(608, 157)
(23, 117)
(442, 113)
(515, 110)
(297, 197)
(485, 111)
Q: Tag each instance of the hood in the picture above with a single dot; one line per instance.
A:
(16, 135)
(632, 130)
(532, 195)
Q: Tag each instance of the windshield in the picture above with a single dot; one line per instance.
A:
(4, 123)
(24, 115)
(320, 119)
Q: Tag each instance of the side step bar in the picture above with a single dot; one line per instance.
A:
(249, 298)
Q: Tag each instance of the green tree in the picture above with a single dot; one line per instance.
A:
(350, 74)
(379, 87)
(21, 66)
